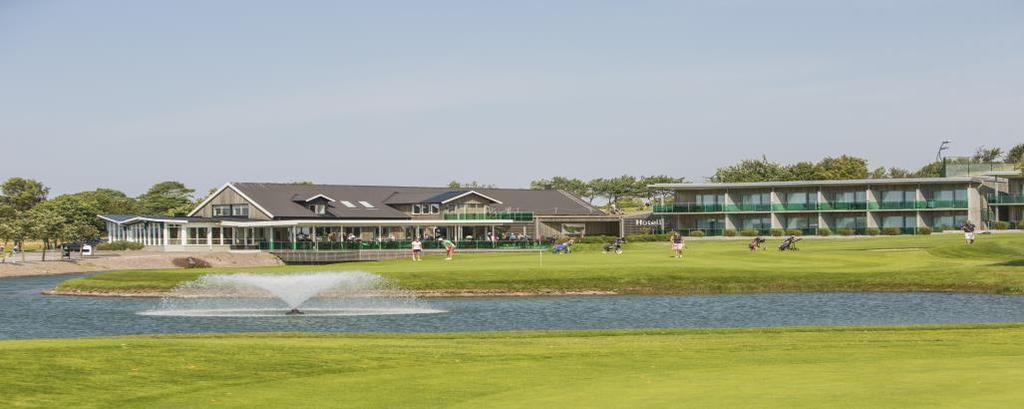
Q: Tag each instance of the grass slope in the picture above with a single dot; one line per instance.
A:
(936, 263)
(933, 367)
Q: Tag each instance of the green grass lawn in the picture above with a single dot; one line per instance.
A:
(924, 263)
(932, 367)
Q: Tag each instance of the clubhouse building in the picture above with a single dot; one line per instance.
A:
(282, 217)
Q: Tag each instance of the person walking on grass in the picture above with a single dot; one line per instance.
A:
(968, 229)
(677, 244)
(449, 248)
(417, 249)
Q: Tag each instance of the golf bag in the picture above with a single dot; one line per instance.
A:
(789, 244)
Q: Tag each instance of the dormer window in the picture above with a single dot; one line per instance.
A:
(318, 208)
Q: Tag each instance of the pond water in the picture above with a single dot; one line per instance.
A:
(29, 314)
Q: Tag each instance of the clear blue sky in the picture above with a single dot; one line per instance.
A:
(124, 94)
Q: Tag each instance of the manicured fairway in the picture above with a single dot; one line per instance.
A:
(951, 367)
(932, 263)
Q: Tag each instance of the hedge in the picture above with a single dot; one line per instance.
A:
(120, 246)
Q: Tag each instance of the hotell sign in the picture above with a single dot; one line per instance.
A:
(650, 222)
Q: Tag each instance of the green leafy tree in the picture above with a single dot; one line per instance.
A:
(454, 184)
(64, 219)
(879, 173)
(841, 168)
(166, 198)
(987, 155)
(750, 170)
(1015, 154)
(23, 194)
(899, 173)
(931, 170)
(800, 171)
(652, 193)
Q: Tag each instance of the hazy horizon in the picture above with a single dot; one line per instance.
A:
(124, 94)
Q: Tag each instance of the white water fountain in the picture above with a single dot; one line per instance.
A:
(321, 294)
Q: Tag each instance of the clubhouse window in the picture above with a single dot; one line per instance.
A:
(318, 208)
(221, 210)
(240, 210)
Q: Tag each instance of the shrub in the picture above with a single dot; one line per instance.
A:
(924, 230)
(190, 262)
(794, 232)
(872, 232)
(824, 231)
(120, 246)
(748, 232)
(697, 233)
(891, 231)
(777, 232)
(939, 229)
(1002, 225)
(639, 238)
(729, 233)
(846, 231)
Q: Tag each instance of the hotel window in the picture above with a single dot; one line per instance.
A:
(757, 198)
(802, 222)
(899, 196)
(240, 210)
(710, 199)
(710, 224)
(757, 223)
(859, 196)
(959, 195)
(221, 210)
(899, 221)
(800, 198)
(851, 222)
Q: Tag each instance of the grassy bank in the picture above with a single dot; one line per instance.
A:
(933, 263)
(977, 367)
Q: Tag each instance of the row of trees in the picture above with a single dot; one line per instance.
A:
(847, 167)
(610, 189)
(26, 213)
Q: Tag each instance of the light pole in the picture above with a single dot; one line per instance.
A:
(942, 147)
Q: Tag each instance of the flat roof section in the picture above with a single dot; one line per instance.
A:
(814, 183)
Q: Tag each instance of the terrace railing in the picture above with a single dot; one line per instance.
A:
(388, 245)
(515, 216)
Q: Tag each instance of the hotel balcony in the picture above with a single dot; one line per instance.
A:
(1005, 199)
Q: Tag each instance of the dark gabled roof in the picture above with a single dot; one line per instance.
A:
(442, 197)
(277, 198)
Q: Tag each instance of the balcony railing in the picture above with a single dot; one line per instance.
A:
(843, 206)
(688, 208)
(748, 207)
(901, 205)
(515, 216)
(784, 207)
(1005, 199)
(945, 204)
